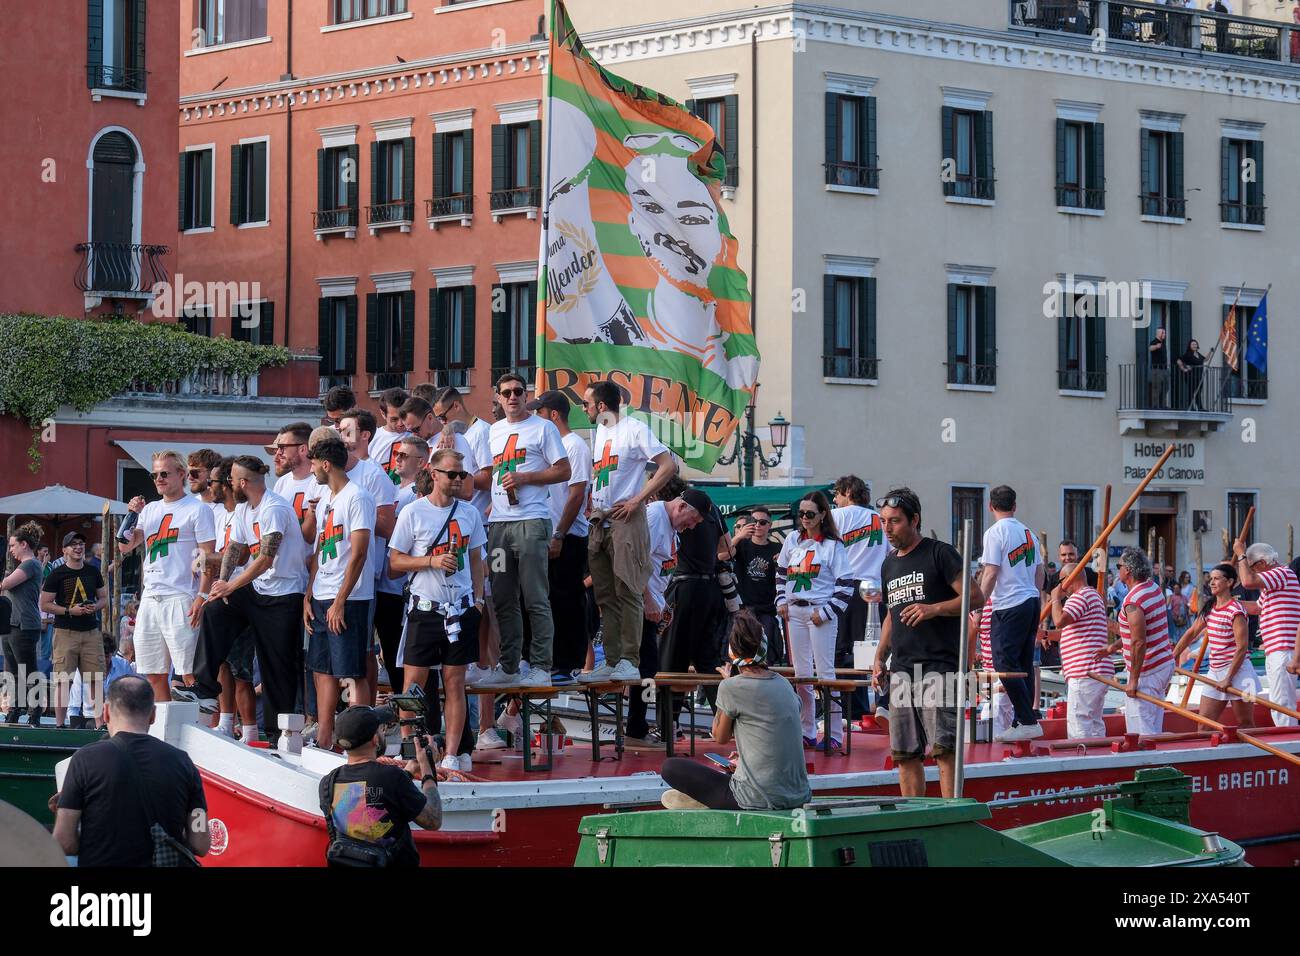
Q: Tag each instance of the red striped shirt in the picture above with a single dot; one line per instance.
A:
(1218, 629)
(986, 636)
(1150, 598)
(1279, 608)
(1085, 636)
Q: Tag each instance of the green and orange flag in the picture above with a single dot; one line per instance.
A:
(639, 280)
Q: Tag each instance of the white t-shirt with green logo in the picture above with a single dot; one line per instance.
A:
(619, 456)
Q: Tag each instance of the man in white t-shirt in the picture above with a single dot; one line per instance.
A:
(618, 543)
(449, 407)
(527, 456)
(863, 533)
(174, 532)
(568, 548)
(412, 456)
(1012, 577)
(439, 541)
(383, 444)
(341, 584)
(294, 481)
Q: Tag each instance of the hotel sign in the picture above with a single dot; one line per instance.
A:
(1186, 466)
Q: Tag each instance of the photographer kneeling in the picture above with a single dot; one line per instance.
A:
(370, 802)
(762, 710)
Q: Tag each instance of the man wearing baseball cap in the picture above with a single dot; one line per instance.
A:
(370, 802)
(74, 593)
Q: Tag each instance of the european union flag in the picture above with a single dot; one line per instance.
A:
(1257, 337)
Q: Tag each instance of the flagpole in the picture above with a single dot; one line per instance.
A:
(542, 252)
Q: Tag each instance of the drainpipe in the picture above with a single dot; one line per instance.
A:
(288, 182)
(748, 476)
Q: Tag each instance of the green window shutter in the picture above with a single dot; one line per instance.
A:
(731, 146)
(236, 184)
(467, 169)
(354, 181)
(258, 211)
(868, 334)
(984, 150)
(1144, 159)
(182, 198)
(375, 194)
(949, 189)
(325, 334)
(1183, 316)
(1060, 156)
(1096, 149)
(500, 157)
(1062, 343)
(138, 44)
(1225, 174)
(205, 185)
(350, 346)
(372, 332)
(322, 182)
(94, 43)
(832, 135)
(467, 325)
(535, 153)
(440, 171)
(1176, 165)
(987, 331)
(266, 330)
(1255, 190)
(690, 108)
(952, 330)
(828, 325)
(1096, 329)
(408, 174)
(437, 332)
(868, 127)
(408, 331)
(500, 328)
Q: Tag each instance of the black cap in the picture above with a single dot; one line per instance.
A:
(553, 400)
(72, 536)
(357, 726)
(698, 500)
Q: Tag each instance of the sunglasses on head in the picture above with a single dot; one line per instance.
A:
(510, 392)
(894, 501)
(453, 475)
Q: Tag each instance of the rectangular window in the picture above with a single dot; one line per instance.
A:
(519, 152)
(1077, 518)
(197, 319)
(514, 329)
(1239, 503)
(453, 313)
(972, 346)
(390, 332)
(456, 163)
(849, 342)
(336, 187)
(1162, 174)
(1241, 198)
(453, 174)
(350, 11)
(722, 113)
(1249, 381)
(968, 153)
(392, 181)
(516, 166)
(1080, 165)
(338, 338)
(196, 189)
(248, 183)
(451, 335)
(968, 502)
(253, 322)
(229, 21)
(116, 45)
(1081, 345)
(338, 354)
(851, 141)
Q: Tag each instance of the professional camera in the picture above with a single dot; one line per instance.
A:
(412, 701)
(726, 577)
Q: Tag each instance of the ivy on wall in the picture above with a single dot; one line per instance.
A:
(48, 361)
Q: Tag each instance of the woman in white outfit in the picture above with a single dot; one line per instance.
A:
(812, 592)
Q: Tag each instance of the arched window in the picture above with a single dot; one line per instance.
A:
(113, 210)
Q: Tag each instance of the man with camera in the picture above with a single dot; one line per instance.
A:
(370, 802)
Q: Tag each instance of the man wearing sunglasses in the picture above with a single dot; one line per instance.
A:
(173, 531)
(391, 430)
(199, 472)
(449, 407)
(528, 455)
(411, 456)
(293, 478)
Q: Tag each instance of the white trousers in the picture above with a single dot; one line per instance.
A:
(1244, 680)
(1281, 685)
(813, 647)
(1083, 705)
(1142, 717)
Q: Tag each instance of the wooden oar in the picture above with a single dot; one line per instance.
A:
(1111, 525)
(1236, 693)
(1104, 550)
(1205, 721)
(1205, 638)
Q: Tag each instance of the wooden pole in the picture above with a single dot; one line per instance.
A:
(11, 526)
(1160, 557)
(1227, 543)
(118, 606)
(1205, 721)
(1197, 572)
(1103, 551)
(959, 771)
(1205, 638)
(1151, 545)
(1236, 693)
(105, 544)
(1112, 524)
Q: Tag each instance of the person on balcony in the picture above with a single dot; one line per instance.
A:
(1191, 369)
(1158, 363)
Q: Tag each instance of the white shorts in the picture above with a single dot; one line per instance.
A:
(1281, 685)
(1146, 718)
(163, 636)
(1084, 702)
(1244, 680)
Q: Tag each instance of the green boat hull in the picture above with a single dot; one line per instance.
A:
(28, 756)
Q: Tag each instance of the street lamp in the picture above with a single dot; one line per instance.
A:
(752, 446)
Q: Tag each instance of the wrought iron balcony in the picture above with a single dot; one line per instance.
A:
(971, 187)
(850, 366)
(1167, 207)
(457, 377)
(401, 210)
(345, 218)
(379, 381)
(967, 373)
(1192, 397)
(329, 381)
(1080, 197)
(120, 269)
(121, 78)
(1077, 380)
(852, 174)
(1175, 29)
(449, 206)
(1241, 213)
(525, 197)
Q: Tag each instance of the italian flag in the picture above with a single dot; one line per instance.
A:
(639, 281)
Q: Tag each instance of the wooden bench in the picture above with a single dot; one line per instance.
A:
(534, 701)
(607, 696)
(666, 683)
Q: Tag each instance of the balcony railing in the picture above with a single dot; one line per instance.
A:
(1204, 389)
(850, 366)
(1241, 213)
(457, 377)
(1176, 29)
(852, 174)
(525, 197)
(345, 218)
(401, 210)
(1080, 380)
(329, 381)
(1080, 197)
(965, 373)
(120, 268)
(1168, 207)
(971, 187)
(1255, 389)
(462, 205)
(123, 78)
(379, 381)
(202, 383)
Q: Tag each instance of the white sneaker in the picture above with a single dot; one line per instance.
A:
(490, 739)
(466, 763)
(474, 673)
(538, 678)
(600, 675)
(627, 671)
(512, 723)
(224, 731)
(1021, 732)
(449, 762)
(496, 677)
(524, 667)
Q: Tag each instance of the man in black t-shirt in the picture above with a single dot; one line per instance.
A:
(920, 635)
(74, 593)
(116, 789)
(756, 555)
(1158, 357)
(374, 802)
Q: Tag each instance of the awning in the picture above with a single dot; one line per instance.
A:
(57, 500)
(781, 499)
(143, 451)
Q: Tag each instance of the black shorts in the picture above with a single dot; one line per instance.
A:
(427, 644)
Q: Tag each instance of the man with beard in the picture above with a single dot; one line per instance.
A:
(293, 479)
(201, 463)
(383, 444)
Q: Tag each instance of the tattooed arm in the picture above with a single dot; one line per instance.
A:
(267, 549)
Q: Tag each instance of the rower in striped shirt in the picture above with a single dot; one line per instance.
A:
(998, 707)
(1279, 621)
(1143, 631)
(1226, 631)
(1079, 614)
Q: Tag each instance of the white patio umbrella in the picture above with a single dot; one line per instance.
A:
(58, 501)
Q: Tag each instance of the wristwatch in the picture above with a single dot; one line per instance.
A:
(556, 536)
(427, 777)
